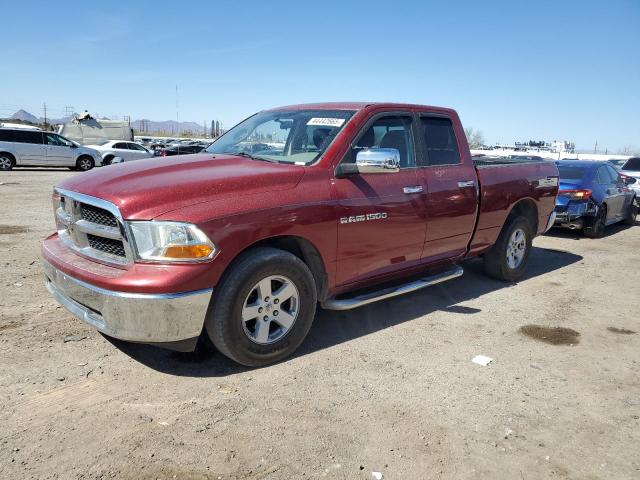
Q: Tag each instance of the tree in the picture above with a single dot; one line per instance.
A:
(474, 137)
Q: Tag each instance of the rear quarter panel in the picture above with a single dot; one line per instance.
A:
(501, 188)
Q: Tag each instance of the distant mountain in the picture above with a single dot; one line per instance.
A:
(25, 116)
(151, 126)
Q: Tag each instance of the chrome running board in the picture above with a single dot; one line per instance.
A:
(359, 301)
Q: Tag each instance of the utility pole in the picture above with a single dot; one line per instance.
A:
(45, 114)
(595, 147)
(177, 111)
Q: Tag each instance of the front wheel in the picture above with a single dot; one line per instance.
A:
(84, 163)
(263, 308)
(508, 258)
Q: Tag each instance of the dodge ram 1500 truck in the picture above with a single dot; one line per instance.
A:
(341, 204)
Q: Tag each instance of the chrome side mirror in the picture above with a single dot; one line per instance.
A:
(378, 160)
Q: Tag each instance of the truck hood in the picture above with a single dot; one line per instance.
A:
(145, 189)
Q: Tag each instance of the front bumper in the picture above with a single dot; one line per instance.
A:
(172, 318)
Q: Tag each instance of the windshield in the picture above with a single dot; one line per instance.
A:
(284, 136)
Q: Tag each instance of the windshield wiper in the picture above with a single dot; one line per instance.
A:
(248, 155)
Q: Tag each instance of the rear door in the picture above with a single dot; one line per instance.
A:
(381, 224)
(60, 151)
(30, 148)
(622, 192)
(121, 149)
(451, 187)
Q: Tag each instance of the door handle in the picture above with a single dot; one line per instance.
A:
(413, 189)
(470, 183)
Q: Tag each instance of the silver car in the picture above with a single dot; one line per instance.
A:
(21, 147)
(631, 168)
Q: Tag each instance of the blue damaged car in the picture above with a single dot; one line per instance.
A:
(592, 196)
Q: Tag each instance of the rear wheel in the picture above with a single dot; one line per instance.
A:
(263, 308)
(595, 228)
(508, 258)
(632, 213)
(7, 162)
(84, 163)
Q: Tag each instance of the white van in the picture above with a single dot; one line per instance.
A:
(22, 148)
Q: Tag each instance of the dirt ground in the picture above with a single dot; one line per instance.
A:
(388, 388)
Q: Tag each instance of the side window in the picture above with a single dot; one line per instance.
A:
(120, 146)
(440, 141)
(6, 135)
(602, 177)
(31, 137)
(387, 132)
(56, 140)
(613, 174)
(135, 146)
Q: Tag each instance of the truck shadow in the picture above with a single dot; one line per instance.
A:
(332, 328)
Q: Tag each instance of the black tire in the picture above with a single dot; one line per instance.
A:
(496, 261)
(85, 163)
(632, 213)
(595, 227)
(7, 162)
(107, 160)
(224, 323)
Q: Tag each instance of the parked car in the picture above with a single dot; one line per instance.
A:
(363, 202)
(181, 150)
(127, 151)
(21, 148)
(631, 168)
(592, 196)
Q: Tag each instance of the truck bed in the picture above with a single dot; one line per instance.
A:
(503, 182)
(487, 161)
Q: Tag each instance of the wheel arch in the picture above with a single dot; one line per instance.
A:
(527, 208)
(301, 248)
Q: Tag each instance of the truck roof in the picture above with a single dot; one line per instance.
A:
(353, 106)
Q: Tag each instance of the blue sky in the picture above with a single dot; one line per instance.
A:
(513, 69)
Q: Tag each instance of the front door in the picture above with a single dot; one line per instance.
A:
(381, 224)
(451, 188)
(60, 151)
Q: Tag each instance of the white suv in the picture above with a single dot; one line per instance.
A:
(21, 147)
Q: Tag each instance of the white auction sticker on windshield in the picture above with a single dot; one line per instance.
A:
(326, 122)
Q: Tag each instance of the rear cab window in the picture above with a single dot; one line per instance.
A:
(439, 140)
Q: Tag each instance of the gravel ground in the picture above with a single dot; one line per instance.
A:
(389, 388)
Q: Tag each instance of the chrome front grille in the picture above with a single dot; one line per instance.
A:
(97, 215)
(92, 227)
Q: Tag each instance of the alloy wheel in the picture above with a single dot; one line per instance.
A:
(516, 248)
(270, 309)
(5, 163)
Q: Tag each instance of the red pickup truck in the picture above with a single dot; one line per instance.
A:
(338, 203)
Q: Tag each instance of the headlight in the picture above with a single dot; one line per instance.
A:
(170, 242)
